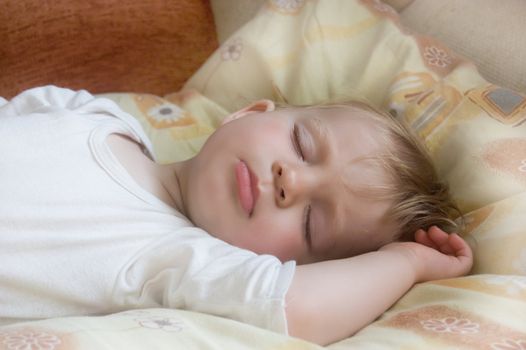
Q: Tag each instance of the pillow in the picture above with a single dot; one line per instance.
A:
(230, 15)
(314, 51)
(177, 124)
(497, 46)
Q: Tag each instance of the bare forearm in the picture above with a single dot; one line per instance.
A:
(331, 300)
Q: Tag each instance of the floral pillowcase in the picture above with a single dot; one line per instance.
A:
(314, 51)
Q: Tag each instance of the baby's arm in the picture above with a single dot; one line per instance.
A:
(332, 300)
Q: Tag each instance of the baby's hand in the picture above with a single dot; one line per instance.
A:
(436, 254)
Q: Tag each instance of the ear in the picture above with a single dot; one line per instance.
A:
(256, 107)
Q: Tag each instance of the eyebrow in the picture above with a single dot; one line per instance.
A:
(319, 132)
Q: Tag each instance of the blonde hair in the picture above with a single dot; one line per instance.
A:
(419, 198)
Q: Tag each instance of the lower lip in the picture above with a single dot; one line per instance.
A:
(244, 186)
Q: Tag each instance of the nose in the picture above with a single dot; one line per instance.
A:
(293, 183)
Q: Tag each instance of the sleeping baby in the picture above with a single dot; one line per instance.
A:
(310, 221)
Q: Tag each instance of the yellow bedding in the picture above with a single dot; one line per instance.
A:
(313, 51)
(475, 312)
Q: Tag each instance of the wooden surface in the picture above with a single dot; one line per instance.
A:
(103, 45)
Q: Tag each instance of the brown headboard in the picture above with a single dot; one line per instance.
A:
(103, 45)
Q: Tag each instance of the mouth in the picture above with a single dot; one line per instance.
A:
(247, 185)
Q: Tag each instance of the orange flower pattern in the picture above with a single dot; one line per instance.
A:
(30, 340)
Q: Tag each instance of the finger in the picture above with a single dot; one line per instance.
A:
(437, 235)
(441, 239)
(422, 238)
(460, 246)
(464, 255)
(447, 249)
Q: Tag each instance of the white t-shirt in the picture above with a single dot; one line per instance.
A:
(78, 236)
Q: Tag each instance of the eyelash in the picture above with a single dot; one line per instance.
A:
(306, 224)
(306, 215)
(296, 141)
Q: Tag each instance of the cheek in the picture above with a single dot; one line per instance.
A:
(261, 133)
(273, 236)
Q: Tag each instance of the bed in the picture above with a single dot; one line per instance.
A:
(145, 56)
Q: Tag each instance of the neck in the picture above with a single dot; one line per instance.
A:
(174, 180)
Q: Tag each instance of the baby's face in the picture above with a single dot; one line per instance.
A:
(291, 182)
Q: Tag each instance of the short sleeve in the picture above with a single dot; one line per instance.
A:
(43, 98)
(194, 271)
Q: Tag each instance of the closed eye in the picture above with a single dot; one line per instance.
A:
(306, 225)
(296, 141)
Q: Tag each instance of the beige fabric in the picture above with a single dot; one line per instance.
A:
(229, 15)
(488, 32)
